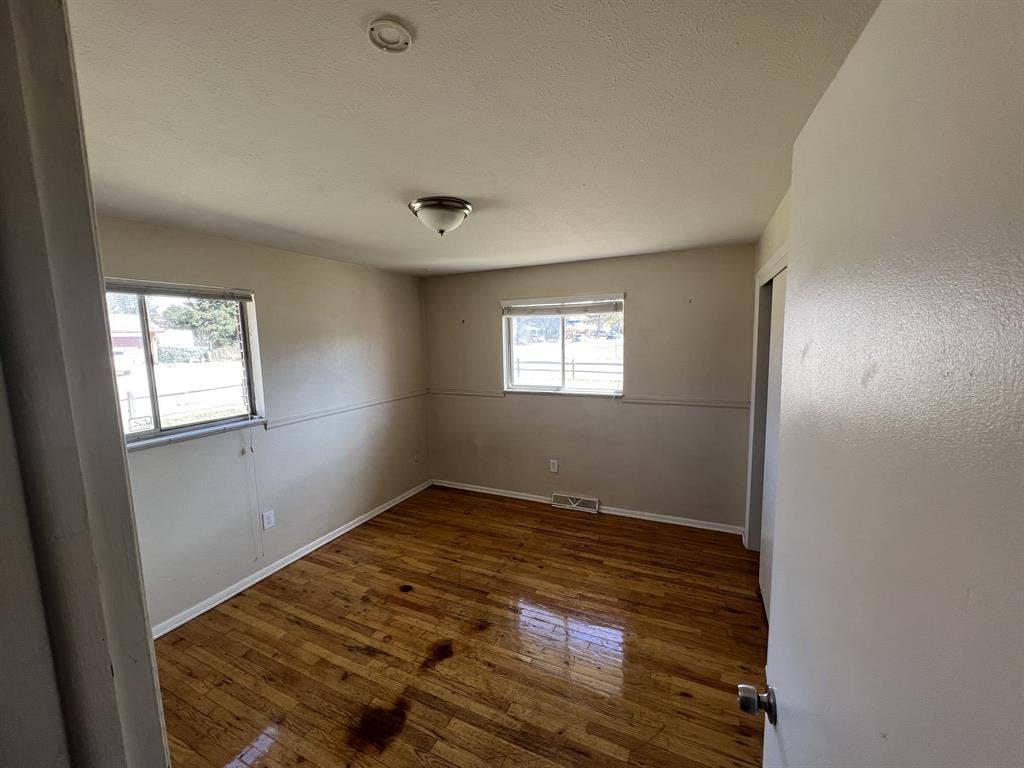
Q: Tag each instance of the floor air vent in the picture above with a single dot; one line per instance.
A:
(582, 503)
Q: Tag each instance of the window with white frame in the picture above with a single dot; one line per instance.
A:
(564, 345)
(181, 357)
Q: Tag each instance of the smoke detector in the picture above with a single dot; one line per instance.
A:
(390, 35)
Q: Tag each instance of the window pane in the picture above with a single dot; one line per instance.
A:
(536, 359)
(200, 367)
(593, 351)
(133, 393)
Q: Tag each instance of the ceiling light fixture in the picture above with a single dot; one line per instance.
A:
(441, 214)
(390, 35)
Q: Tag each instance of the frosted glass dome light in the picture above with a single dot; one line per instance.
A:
(441, 214)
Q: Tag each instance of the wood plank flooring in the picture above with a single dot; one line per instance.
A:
(466, 630)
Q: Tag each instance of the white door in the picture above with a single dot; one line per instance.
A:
(771, 437)
(897, 633)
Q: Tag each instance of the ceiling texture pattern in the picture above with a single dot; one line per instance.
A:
(578, 130)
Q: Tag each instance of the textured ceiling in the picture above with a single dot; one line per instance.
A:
(578, 129)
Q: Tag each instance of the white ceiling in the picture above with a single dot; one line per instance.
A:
(578, 129)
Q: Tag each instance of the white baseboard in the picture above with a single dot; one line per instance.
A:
(492, 491)
(671, 519)
(212, 602)
(618, 511)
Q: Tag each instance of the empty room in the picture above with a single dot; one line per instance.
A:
(493, 384)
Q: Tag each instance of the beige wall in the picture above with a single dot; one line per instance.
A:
(775, 234)
(688, 334)
(897, 630)
(334, 335)
(330, 335)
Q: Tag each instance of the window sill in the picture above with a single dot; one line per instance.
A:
(564, 392)
(192, 434)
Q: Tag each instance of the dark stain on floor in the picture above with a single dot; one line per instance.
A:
(405, 588)
(482, 626)
(439, 651)
(378, 726)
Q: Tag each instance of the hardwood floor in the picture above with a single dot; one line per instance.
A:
(459, 629)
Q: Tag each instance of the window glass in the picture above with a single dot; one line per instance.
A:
(565, 345)
(129, 352)
(536, 351)
(593, 351)
(200, 366)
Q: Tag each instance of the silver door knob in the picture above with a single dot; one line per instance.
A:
(752, 702)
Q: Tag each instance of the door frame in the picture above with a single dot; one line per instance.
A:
(59, 381)
(759, 394)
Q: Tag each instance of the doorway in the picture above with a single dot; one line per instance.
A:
(766, 390)
(771, 437)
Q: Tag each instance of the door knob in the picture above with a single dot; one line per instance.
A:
(752, 702)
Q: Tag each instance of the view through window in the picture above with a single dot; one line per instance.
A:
(180, 359)
(570, 345)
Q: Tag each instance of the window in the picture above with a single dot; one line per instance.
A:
(181, 357)
(564, 345)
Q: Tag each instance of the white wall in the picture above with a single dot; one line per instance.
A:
(897, 632)
(776, 233)
(331, 335)
(688, 326)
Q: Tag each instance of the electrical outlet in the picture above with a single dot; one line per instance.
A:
(553, 465)
(268, 520)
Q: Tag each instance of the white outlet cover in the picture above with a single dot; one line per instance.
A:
(268, 520)
(553, 465)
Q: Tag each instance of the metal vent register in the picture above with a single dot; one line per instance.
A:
(582, 503)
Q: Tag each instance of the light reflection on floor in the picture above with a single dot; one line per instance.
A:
(256, 748)
(591, 654)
